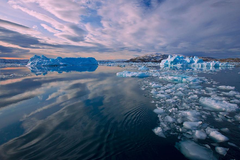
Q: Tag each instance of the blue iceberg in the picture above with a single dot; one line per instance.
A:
(59, 61)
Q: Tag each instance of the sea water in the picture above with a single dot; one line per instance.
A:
(94, 114)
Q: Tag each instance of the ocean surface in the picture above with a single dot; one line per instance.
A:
(78, 114)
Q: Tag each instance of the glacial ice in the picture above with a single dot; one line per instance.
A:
(177, 60)
(216, 105)
(192, 150)
(217, 136)
(132, 74)
(185, 101)
(200, 134)
(158, 131)
(143, 68)
(191, 125)
(221, 150)
(59, 61)
(159, 110)
(226, 87)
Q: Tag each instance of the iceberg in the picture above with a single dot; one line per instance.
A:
(59, 61)
(133, 74)
(177, 60)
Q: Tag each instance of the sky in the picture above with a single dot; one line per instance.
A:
(119, 29)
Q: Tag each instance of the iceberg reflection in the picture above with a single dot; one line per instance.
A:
(43, 70)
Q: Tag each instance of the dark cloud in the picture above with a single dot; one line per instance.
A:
(12, 52)
(17, 38)
(4, 22)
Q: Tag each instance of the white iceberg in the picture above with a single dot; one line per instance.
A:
(177, 60)
(132, 74)
(216, 105)
(59, 61)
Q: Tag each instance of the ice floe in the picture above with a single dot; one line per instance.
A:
(198, 134)
(192, 150)
(221, 150)
(216, 105)
(132, 74)
(185, 102)
(226, 87)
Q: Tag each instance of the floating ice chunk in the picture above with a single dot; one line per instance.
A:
(200, 134)
(231, 93)
(179, 93)
(226, 87)
(193, 97)
(210, 89)
(232, 144)
(162, 96)
(237, 117)
(237, 96)
(159, 111)
(193, 151)
(159, 131)
(221, 150)
(169, 119)
(215, 105)
(180, 79)
(209, 130)
(235, 101)
(133, 74)
(59, 61)
(143, 68)
(190, 115)
(217, 136)
(225, 129)
(154, 85)
(191, 125)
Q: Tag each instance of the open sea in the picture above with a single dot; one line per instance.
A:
(90, 114)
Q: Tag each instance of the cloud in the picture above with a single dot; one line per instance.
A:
(140, 26)
(12, 52)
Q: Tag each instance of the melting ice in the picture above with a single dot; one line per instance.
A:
(184, 104)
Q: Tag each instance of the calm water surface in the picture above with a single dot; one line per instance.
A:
(78, 115)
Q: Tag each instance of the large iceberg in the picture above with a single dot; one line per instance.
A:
(177, 60)
(59, 61)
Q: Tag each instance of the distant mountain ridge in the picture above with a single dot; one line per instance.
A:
(156, 57)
